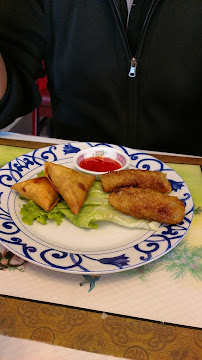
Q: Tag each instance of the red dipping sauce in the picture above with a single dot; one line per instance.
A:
(99, 164)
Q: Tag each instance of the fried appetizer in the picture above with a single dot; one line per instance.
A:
(145, 179)
(148, 204)
(40, 191)
(72, 185)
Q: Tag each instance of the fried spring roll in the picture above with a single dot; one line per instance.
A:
(148, 204)
(145, 179)
(40, 191)
(72, 185)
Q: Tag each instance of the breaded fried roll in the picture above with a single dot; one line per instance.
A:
(40, 190)
(148, 204)
(145, 179)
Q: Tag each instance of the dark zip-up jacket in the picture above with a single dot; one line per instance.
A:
(87, 56)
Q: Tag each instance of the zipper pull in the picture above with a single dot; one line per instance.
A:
(133, 66)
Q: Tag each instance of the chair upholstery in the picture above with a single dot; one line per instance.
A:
(42, 115)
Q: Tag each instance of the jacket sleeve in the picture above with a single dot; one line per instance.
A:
(22, 39)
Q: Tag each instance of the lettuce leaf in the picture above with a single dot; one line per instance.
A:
(90, 215)
(96, 195)
(41, 173)
(30, 212)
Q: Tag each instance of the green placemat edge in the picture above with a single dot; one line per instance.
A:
(8, 153)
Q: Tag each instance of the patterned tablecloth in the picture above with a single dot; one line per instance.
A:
(152, 312)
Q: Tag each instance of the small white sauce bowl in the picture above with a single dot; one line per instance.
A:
(105, 151)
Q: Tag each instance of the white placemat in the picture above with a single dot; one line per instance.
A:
(155, 291)
(14, 348)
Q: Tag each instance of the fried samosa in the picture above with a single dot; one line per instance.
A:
(146, 179)
(40, 190)
(72, 185)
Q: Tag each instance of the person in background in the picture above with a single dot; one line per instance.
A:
(119, 71)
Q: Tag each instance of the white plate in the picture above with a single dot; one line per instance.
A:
(66, 248)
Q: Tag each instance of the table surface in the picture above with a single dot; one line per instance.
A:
(94, 331)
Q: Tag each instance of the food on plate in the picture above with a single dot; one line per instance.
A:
(72, 185)
(155, 180)
(67, 193)
(148, 204)
(40, 190)
(95, 209)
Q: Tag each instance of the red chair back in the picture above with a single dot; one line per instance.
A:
(44, 109)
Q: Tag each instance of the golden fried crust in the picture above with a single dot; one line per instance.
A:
(72, 185)
(40, 190)
(148, 204)
(145, 179)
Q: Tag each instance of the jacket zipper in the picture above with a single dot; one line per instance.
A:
(145, 25)
(134, 64)
(134, 59)
(123, 33)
